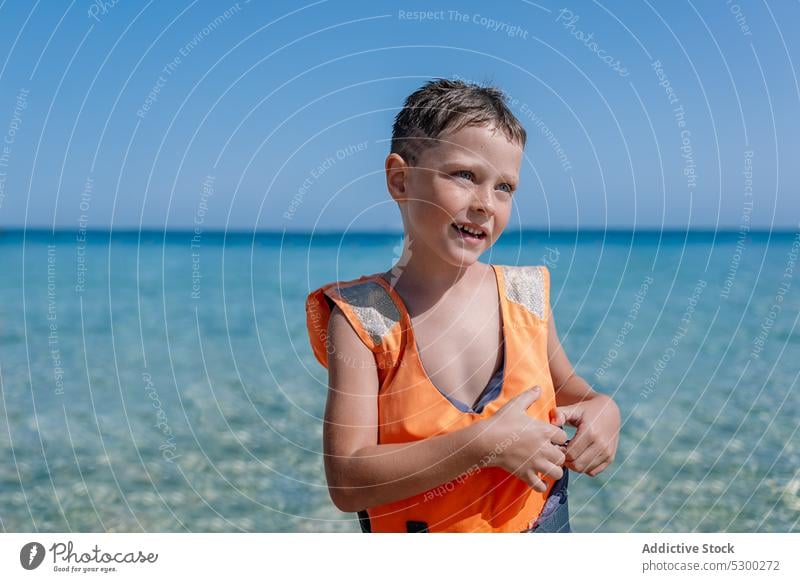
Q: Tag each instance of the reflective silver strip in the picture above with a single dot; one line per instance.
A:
(525, 285)
(374, 307)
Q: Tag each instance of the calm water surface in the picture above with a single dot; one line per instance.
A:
(151, 386)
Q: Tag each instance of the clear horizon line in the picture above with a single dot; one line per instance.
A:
(325, 232)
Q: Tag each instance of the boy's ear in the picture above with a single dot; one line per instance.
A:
(397, 171)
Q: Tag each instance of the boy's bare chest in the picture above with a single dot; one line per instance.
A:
(460, 345)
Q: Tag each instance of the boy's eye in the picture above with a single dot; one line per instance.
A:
(505, 186)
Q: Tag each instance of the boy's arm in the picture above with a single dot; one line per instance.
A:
(361, 473)
(569, 387)
(596, 415)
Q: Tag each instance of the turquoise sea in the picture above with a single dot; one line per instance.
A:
(160, 382)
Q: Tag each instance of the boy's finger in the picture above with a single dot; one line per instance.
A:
(577, 446)
(559, 418)
(570, 414)
(535, 482)
(522, 400)
(594, 471)
(586, 460)
(558, 437)
(528, 397)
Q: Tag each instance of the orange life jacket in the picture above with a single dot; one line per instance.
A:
(410, 407)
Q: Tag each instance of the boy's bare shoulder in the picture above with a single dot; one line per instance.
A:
(345, 344)
(351, 411)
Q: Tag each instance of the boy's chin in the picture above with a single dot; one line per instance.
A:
(464, 257)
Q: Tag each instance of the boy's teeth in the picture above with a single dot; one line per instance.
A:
(469, 230)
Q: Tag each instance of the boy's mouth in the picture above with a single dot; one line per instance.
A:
(467, 232)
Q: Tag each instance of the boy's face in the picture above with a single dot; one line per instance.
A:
(469, 176)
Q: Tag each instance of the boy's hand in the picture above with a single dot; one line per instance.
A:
(594, 445)
(522, 445)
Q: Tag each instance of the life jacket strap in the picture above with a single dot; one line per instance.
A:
(363, 520)
(416, 527)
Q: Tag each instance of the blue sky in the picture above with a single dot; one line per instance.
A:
(277, 115)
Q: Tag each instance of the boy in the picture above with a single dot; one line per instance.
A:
(408, 350)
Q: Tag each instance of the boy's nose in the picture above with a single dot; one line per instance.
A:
(482, 201)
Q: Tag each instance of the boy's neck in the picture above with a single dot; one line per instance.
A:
(429, 280)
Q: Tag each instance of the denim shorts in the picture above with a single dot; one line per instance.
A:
(554, 517)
